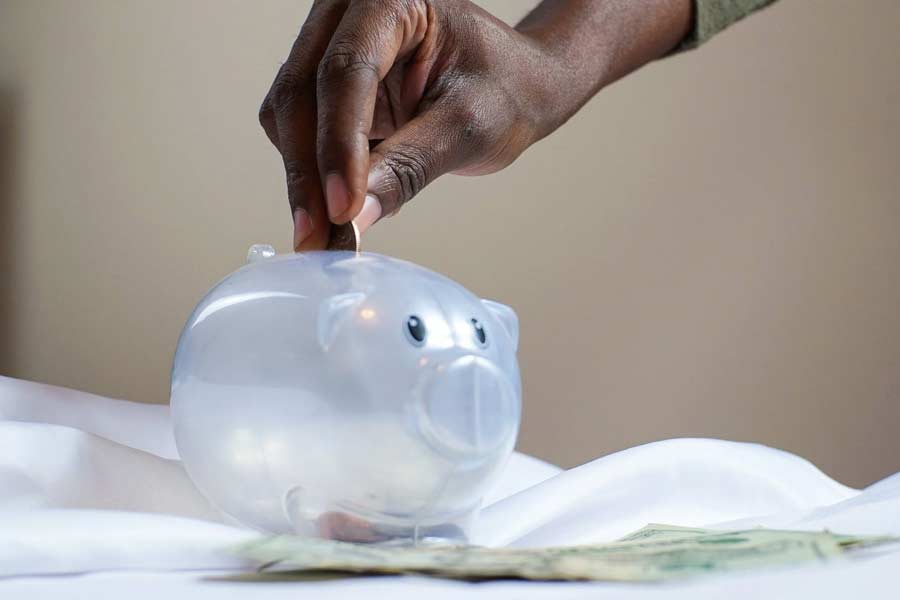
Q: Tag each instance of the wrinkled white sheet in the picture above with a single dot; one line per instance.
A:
(90, 484)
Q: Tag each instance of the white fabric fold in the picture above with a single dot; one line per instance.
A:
(686, 481)
(91, 484)
(875, 511)
(54, 541)
(51, 466)
(140, 426)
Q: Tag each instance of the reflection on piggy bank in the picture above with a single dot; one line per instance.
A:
(349, 396)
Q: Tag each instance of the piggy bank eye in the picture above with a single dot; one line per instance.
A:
(480, 335)
(415, 330)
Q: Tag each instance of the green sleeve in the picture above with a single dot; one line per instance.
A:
(712, 16)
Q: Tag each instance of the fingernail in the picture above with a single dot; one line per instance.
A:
(371, 211)
(336, 195)
(302, 227)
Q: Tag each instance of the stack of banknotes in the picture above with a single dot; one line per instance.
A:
(654, 553)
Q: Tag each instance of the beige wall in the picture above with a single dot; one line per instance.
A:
(710, 248)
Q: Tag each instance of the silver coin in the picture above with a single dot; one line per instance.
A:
(344, 237)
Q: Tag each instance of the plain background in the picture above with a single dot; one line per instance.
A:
(710, 248)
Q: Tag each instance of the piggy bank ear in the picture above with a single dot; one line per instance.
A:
(334, 312)
(507, 318)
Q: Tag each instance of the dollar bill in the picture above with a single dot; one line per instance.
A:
(653, 553)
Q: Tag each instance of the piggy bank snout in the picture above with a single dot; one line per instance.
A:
(467, 405)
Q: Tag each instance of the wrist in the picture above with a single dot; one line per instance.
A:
(586, 45)
(564, 78)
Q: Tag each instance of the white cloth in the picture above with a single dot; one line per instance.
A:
(90, 484)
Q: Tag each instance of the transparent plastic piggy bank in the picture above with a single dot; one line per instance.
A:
(348, 396)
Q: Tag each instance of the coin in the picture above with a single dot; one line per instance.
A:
(344, 237)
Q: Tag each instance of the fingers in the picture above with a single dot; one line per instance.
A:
(288, 116)
(425, 148)
(368, 214)
(320, 109)
(311, 226)
(363, 49)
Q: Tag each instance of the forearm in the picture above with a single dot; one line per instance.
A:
(591, 43)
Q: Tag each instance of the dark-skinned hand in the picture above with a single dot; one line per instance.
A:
(380, 97)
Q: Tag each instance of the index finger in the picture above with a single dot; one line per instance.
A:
(289, 118)
(363, 49)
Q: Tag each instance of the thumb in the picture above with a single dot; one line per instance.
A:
(433, 143)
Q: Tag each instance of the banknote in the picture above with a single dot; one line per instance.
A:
(653, 553)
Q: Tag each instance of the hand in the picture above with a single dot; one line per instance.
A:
(379, 97)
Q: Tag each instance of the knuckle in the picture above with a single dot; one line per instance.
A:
(390, 7)
(298, 176)
(344, 60)
(410, 170)
(474, 129)
(287, 87)
(266, 117)
(406, 7)
(299, 186)
(394, 8)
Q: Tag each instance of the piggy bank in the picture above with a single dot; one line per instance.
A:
(348, 396)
